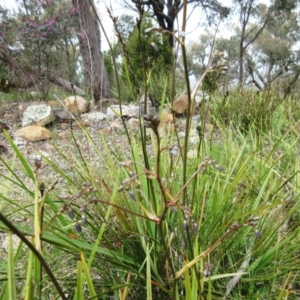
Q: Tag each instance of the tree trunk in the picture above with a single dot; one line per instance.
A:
(67, 85)
(241, 64)
(90, 47)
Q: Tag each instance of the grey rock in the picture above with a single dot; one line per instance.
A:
(94, 116)
(20, 142)
(113, 111)
(62, 115)
(37, 115)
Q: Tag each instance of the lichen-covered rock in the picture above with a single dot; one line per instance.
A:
(39, 115)
(94, 116)
(127, 111)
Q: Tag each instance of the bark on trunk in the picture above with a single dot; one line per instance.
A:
(66, 84)
(90, 46)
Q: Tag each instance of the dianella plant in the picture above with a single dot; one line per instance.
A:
(176, 209)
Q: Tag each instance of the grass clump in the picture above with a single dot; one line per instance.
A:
(123, 222)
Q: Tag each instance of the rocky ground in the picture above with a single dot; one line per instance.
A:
(89, 140)
(11, 114)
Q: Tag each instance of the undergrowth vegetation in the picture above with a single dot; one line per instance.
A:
(152, 221)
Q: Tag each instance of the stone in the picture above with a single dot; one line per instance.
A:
(39, 115)
(106, 131)
(62, 135)
(3, 149)
(3, 127)
(150, 104)
(76, 105)
(21, 107)
(113, 111)
(35, 95)
(49, 147)
(94, 116)
(64, 126)
(208, 127)
(62, 115)
(166, 129)
(20, 142)
(148, 98)
(167, 123)
(200, 97)
(180, 104)
(134, 124)
(71, 106)
(54, 103)
(115, 126)
(81, 124)
(33, 133)
(166, 117)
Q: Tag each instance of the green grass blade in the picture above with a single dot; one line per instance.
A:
(79, 286)
(29, 280)
(148, 274)
(87, 276)
(11, 270)
(19, 155)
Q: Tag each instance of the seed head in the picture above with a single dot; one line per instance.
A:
(71, 213)
(83, 208)
(37, 161)
(195, 227)
(78, 227)
(42, 188)
(258, 234)
(132, 196)
(151, 121)
(185, 225)
(83, 219)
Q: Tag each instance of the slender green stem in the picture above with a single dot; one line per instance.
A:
(15, 230)
(188, 121)
(37, 236)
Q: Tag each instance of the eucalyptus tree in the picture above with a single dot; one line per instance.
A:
(253, 17)
(166, 12)
(88, 33)
(275, 56)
